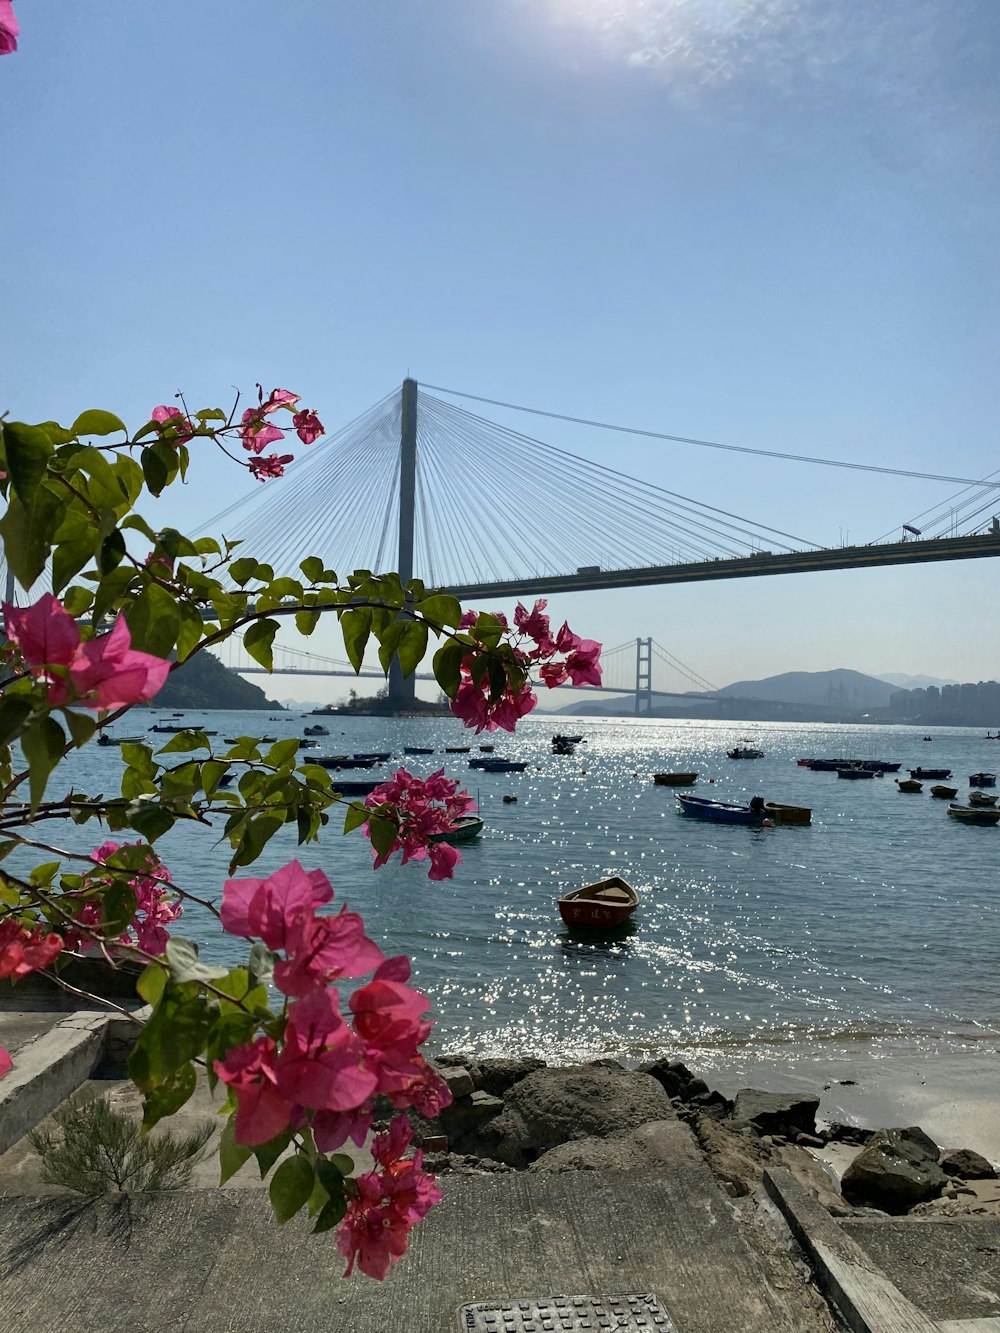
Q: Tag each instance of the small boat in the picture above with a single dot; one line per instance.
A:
(854, 774)
(510, 800)
(803, 763)
(417, 749)
(601, 906)
(928, 738)
(787, 814)
(105, 739)
(569, 740)
(828, 765)
(909, 784)
(357, 786)
(457, 749)
(171, 726)
(563, 747)
(944, 793)
(317, 730)
(674, 779)
(745, 752)
(190, 729)
(981, 798)
(982, 779)
(939, 774)
(235, 740)
(308, 745)
(722, 812)
(487, 749)
(466, 828)
(341, 761)
(970, 814)
(503, 766)
(379, 756)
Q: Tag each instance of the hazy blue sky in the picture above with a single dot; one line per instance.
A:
(768, 222)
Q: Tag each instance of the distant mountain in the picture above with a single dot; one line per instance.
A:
(203, 682)
(841, 689)
(905, 682)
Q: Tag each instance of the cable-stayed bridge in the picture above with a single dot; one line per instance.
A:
(640, 666)
(421, 485)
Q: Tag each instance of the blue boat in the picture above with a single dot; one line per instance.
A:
(720, 811)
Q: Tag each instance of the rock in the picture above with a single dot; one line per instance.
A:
(809, 1141)
(737, 1160)
(896, 1170)
(967, 1164)
(459, 1081)
(712, 1103)
(497, 1076)
(434, 1143)
(811, 1175)
(553, 1106)
(673, 1077)
(776, 1112)
(695, 1089)
(852, 1134)
(651, 1147)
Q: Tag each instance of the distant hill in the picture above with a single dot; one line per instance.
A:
(205, 683)
(840, 689)
(905, 682)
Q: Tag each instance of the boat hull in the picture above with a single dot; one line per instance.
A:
(602, 906)
(944, 793)
(719, 812)
(937, 774)
(970, 814)
(788, 814)
(674, 779)
(909, 784)
(466, 829)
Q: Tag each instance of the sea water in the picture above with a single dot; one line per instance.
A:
(877, 923)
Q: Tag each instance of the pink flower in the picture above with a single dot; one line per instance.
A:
(261, 1110)
(107, 673)
(23, 951)
(388, 1016)
(175, 420)
(155, 909)
(322, 948)
(256, 433)
(536, 626)
(426, 1092)
(278, 398)
(422, 810)
(269, 907)
(443, 858)
(6, 1063)
(308, 426)
(332, 1129)
(271, 466)
(475, 708)
(8, 28)
(44, 633)
(323, 1063)
(554, 674)
(584, 663)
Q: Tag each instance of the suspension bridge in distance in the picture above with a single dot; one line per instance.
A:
(421, 485)
(640, 666)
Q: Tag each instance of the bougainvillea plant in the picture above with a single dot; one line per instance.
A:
(302, 1063)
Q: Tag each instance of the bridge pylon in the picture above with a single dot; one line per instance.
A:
(402, 689)
(643, 676)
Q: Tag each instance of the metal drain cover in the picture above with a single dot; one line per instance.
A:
(569, 1314)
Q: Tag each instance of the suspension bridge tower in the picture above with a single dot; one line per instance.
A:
(402, 689)
(643, 676)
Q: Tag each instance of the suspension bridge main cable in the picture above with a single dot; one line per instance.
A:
(716, 444)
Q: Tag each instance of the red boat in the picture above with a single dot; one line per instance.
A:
(600, 906)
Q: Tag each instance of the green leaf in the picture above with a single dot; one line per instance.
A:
(112, 553)
(355, 816)
(258, 640)
(27, 531)
(43, 743)
(184, 742)
(28, 450)
(156, 460)
(152, 984)
(268, 1153)
(169, 1096)
(254, 839)
(68, 558)
(291, 1186)
(15, 709)
(78, 601)
(149, 819)
(282, 752)
(389, 641)
(412, 646)
(184, 964)
(243, 570)
(118, 903)
(232, 1155)
(261, 965)
(81, 727)
(441, 610)
(332, 1180)
(177, 1031)
(382, 832)
(356, 625)
(306, 621)
(313, 568)
(96, 422)
(154, 621)
(448, 666)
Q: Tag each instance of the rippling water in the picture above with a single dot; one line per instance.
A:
(879, 921)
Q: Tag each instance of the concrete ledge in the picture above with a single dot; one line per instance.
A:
(866, 1299)
(49, 1068)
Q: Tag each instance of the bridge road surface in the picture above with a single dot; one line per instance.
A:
(214, 1261)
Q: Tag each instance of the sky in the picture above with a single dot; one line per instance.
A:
(770, 223)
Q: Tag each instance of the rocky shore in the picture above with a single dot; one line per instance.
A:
(522, 1115)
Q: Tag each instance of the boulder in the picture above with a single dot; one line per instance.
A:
(967, 1164)
(673, 1077)
(553, 1106)
(497, 1076)
(855, 1135)
(459, 1081)
(787, 1113)
(896, 1170)
(651, 1147)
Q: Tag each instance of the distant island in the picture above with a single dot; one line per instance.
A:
(378, 705)
(840, 695)
(204, 683)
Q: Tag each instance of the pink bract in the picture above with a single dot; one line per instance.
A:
(6, 1063)
(322, 948)
(268, 907)
(279, 398)
(261, 1111)
(44, 633)
(23, 951)
(271, 466)
(108, 673)
(308, 426)
(322, 1065)
(9, 28)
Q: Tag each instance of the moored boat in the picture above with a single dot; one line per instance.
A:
(341, 761)
(105, 739)
(466, 828)
(982, 779)
(944, 793)
(745, 752)
(855, 774)
(721, 812)
(982, 798)
(503, 765)
(317, 730)
(457, 749)
(674, 779)
(787, 814)
(939, 774)
(909, 784)
(357, 786)
(379, 756)
(601, 906)
(417, 749)
(970, 814)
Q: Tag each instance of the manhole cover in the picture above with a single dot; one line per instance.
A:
(569, 1314)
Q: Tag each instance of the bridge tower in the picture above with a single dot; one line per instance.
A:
(402, 690)
(643, 676)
